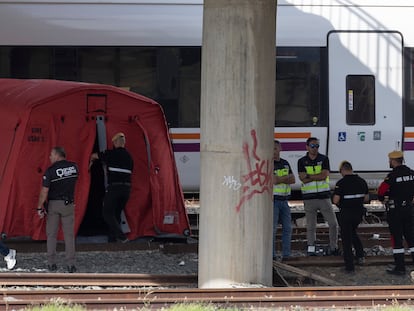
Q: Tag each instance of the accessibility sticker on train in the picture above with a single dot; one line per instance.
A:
(341, 136)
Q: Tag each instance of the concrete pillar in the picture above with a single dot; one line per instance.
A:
(237, 122)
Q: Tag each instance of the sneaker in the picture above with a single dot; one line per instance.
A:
(52, 267)
(122, 240)
(395, 271)
(71, 269)
(10, 259)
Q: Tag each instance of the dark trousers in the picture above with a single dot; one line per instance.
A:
(115, 200)
(400, 223)
(349, 219)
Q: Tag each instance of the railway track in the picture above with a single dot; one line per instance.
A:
(374, 218)
(296, 206)
(101, 279)
(371, 235)
(128, 299)
(338, 261)
(105, 292)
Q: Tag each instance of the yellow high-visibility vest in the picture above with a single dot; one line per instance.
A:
(282, 190)
(315, 186)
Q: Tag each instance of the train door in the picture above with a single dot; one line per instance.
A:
(365, 98)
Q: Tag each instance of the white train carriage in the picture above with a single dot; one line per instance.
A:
(344, 69)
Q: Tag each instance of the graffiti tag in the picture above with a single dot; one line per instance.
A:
(258, 180)
(232, 183)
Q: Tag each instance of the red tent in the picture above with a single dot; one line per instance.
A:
(36, 115)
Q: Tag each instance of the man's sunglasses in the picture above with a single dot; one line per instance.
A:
(314, 145)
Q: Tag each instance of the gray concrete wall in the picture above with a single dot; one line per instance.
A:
(237, 120)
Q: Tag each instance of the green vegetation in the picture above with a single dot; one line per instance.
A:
(398, 308)
(198, 307)
(56, 305)
(63, 306)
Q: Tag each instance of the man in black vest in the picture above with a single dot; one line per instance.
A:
(349, 195)
(397, 193)
(119, 165)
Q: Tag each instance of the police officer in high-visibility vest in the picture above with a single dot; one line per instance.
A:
(397, 193)
(282, 178)
(313, 169)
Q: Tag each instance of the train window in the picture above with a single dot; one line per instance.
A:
(25, 62)
(298, 87)
(64, 63)
(190, 87)
(169, 75)
(411, 60)
(138, 70)
(360, 100)
(409, 87)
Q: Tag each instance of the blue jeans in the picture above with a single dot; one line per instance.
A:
(281, 210)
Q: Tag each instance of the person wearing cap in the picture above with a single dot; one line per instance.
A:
(313, 169)
(350, 193)
(397, 193)
(282, 179)
(119, 166)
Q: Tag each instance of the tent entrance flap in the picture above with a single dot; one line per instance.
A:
(92, 222)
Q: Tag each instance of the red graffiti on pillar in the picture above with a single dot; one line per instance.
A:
(259, 178)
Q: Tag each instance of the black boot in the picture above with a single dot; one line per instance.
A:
(399, 268)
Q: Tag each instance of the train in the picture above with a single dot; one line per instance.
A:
(344, 69)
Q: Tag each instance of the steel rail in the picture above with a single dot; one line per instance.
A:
(363, 296)
(338, 261)
(92, 279)
(296, 206)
